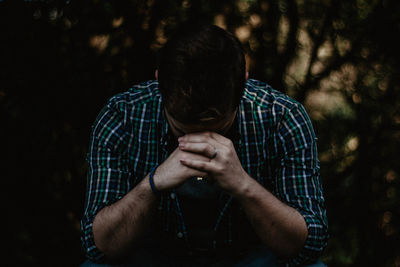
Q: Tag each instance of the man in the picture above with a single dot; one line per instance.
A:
(203, 167)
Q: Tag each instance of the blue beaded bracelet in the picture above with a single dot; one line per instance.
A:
(151, 180)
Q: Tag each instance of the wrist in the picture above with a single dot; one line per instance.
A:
(243, 188)
(151, 181)
(158, 179)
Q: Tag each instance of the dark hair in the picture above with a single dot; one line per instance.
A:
(201, 74)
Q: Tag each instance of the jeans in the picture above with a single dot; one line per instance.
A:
(259, 256)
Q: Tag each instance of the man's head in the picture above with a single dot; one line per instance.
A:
(201, 76)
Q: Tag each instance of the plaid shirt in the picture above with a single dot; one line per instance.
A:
(276, 146)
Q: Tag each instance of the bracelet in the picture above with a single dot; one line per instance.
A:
(151, 180)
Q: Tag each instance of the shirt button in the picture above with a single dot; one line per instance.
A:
(173, 195)
(179, 235)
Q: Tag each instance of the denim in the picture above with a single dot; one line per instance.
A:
(259, 256)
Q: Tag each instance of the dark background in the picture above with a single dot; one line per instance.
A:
(61, 60)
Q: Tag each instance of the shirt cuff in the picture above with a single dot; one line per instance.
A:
(87, 239)
(315, 243)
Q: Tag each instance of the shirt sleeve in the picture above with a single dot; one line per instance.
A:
(298, 181)
(108, 178)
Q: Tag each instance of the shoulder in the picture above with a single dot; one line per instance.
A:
(139, 94)
(136, 100)
(131, 104)
(265, 97)
(272, 104)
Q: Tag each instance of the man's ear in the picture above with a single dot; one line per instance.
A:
(156, 74)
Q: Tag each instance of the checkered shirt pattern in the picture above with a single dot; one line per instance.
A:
(276, 146)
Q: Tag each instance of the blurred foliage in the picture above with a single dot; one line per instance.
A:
(61, 61)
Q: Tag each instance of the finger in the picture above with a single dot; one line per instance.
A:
(195, 172)
(202, 137)
(213, 138)
(199, 165)
(201, 148)
(194, 156)
(220, 139)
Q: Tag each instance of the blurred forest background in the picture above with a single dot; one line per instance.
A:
(61, 60)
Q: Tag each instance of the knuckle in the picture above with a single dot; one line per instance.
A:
(225, 152)
(219, 169)
(187, 145)
(228, 142)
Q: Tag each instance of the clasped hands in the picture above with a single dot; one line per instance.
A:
(206, 154)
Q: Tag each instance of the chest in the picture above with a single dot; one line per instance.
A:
(255, 152)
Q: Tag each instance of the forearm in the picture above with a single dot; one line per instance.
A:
(280, 227)
(118, 226)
